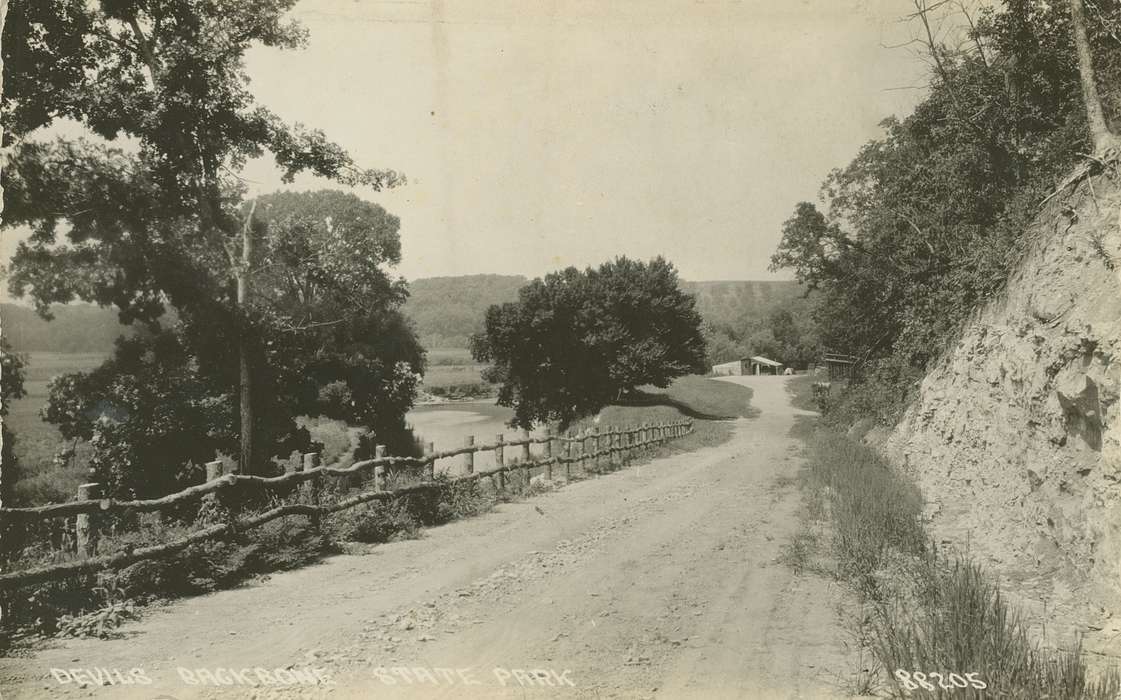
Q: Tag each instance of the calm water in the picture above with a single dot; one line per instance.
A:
(447, 425)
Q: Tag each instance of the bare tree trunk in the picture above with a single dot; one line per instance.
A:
(1099, 130)
(244, 270)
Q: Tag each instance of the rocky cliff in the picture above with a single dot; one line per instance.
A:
(1015, 439)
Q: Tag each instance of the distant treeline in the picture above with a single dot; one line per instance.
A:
(446, 311)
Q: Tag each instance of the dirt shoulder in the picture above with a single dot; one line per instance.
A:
(655, 581)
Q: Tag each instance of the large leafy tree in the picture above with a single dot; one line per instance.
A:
(923, 224)
(147, 213)
(576, 340)
(326, 336)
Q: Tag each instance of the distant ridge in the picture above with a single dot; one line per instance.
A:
(446, 311)
(730, 302)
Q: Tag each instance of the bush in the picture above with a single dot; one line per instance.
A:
(374, 523)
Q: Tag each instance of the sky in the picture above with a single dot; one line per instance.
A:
(537, 134)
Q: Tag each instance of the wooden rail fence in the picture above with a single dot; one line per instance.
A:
(615, 445)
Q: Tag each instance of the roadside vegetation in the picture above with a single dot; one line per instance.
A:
(928, 220)
(921, 228)
(926, 610)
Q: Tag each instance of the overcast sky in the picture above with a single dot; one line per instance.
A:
(537, 134)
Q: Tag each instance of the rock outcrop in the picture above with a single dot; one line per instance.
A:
(1015, 439)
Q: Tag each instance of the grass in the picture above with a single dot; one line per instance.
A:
(437, 357)
(707, 398)
(800, 388)
(933, 611)
(712, 404)
(452, 373)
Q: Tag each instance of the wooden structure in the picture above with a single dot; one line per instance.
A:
(764, 365)
(839, 365)
(299, 491)
(730, 369)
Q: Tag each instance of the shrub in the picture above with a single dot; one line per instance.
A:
(374, 523)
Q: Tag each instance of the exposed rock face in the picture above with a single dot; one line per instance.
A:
(1015, 439)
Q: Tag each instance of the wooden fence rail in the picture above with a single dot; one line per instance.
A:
(575, 450)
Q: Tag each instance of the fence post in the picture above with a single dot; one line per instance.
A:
(310, 488)
(469, 457)
(527, 456)
(213, 471)
(291, 467)
(379, 471)
(429, 450)
(85, 528)
(548, 453)
(585, 436)
(566, 450)
(500, 461)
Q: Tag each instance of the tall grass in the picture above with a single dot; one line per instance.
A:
(935, 612)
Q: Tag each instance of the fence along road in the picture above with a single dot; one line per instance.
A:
(661, 576)
(579, 448)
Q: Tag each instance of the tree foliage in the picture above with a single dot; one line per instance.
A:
(925, 223)
(11, 388)
(575, 340)
(147, 215)
(787, 332)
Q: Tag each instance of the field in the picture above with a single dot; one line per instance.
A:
(37, 441)
(452, 373)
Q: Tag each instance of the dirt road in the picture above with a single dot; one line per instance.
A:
(654, 581)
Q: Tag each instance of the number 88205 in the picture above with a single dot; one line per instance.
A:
(918, 679)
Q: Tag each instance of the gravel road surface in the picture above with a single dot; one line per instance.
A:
(656, 581)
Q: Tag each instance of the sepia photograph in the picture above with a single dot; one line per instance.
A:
(636, 349)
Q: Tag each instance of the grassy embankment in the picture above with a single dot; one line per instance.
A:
(711, 403)
(927, 611)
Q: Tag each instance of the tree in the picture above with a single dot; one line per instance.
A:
(577, 340)
(1103, 138)
(337, 341)
(927, 221)
(11, 388)
(327, 338)
(159, 222)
